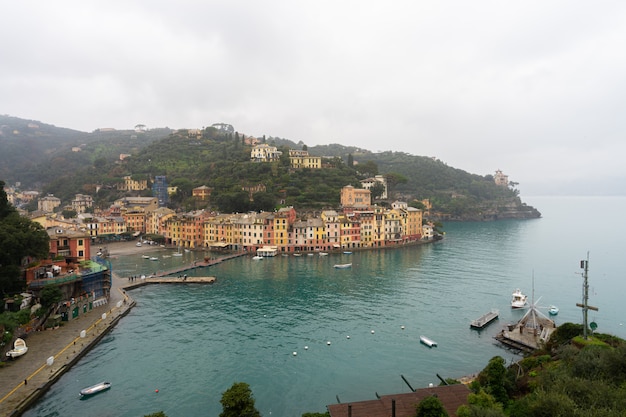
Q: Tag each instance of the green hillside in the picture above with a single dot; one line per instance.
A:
(46, 157)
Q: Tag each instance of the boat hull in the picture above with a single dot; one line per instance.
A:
(427, 341)
(19, 349)
(95, 389)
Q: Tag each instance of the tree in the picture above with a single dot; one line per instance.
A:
(350, 160)
(393, 180)
(69, 214)
(431, 407)
(20, 238)
(368, 168)
(481, 404)
(50, 295)
(494, 378)
(237, 401)
(263, 201)
(377, 190)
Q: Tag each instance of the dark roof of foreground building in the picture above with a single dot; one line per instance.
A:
(451, 396)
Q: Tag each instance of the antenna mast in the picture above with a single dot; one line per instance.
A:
(584, 265)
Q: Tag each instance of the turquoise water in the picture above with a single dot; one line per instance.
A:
(192, 342)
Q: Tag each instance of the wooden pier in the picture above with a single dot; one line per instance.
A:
(484, 320)
(196, 265)
(140, 282)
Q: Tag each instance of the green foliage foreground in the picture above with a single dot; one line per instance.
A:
(569, 379)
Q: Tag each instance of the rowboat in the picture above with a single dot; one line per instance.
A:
(343, 266)
(95, 389)
(19, 349)
(428, 342)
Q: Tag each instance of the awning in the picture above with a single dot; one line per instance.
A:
(219, 245)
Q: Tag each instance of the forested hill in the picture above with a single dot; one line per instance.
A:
(64, 162)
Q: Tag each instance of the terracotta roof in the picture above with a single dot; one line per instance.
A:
(451, 396)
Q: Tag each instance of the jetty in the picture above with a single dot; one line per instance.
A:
(196, 265)
(484, 320)
(168, 280)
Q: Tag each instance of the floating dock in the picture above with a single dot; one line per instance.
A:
(484, 320)
(168, 280)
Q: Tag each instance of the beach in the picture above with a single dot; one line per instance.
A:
(25, 379)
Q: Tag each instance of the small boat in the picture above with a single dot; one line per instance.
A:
(518, 299)
(343, 266)
(154, 258)
(297, 254)
(323, 253)
(95, 389)
(553, 310)
(484, 320)
(138, 244)
(19, 349)
(428, 342)
(145, 256)
(347, 252)
(257, 257)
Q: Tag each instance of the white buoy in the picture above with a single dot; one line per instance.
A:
(306, 348)
(402, 327)
(328, 343)
(372, 331)
(295, 353)
(348, 337)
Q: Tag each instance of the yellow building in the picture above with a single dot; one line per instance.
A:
(129, 184)
(355, 197)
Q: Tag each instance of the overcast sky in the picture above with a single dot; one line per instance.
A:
(534, 88)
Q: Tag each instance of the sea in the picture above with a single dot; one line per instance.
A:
(303, 334)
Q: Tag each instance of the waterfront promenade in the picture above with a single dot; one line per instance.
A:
(24, 380)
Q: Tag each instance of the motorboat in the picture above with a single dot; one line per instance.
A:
(343, 266)
(347, 252)
(427, 341)
(297, 254)
(154, 258)
(257, 257)
(95, 389)
(19, 349)
(553, 310)
(518, 299)
(323, 253)
(145, 256)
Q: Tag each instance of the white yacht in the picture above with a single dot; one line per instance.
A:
(518, 299)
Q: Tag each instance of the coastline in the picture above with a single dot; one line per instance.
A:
(26, 379)
(29, 377)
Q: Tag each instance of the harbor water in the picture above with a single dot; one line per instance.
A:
(303, 334)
